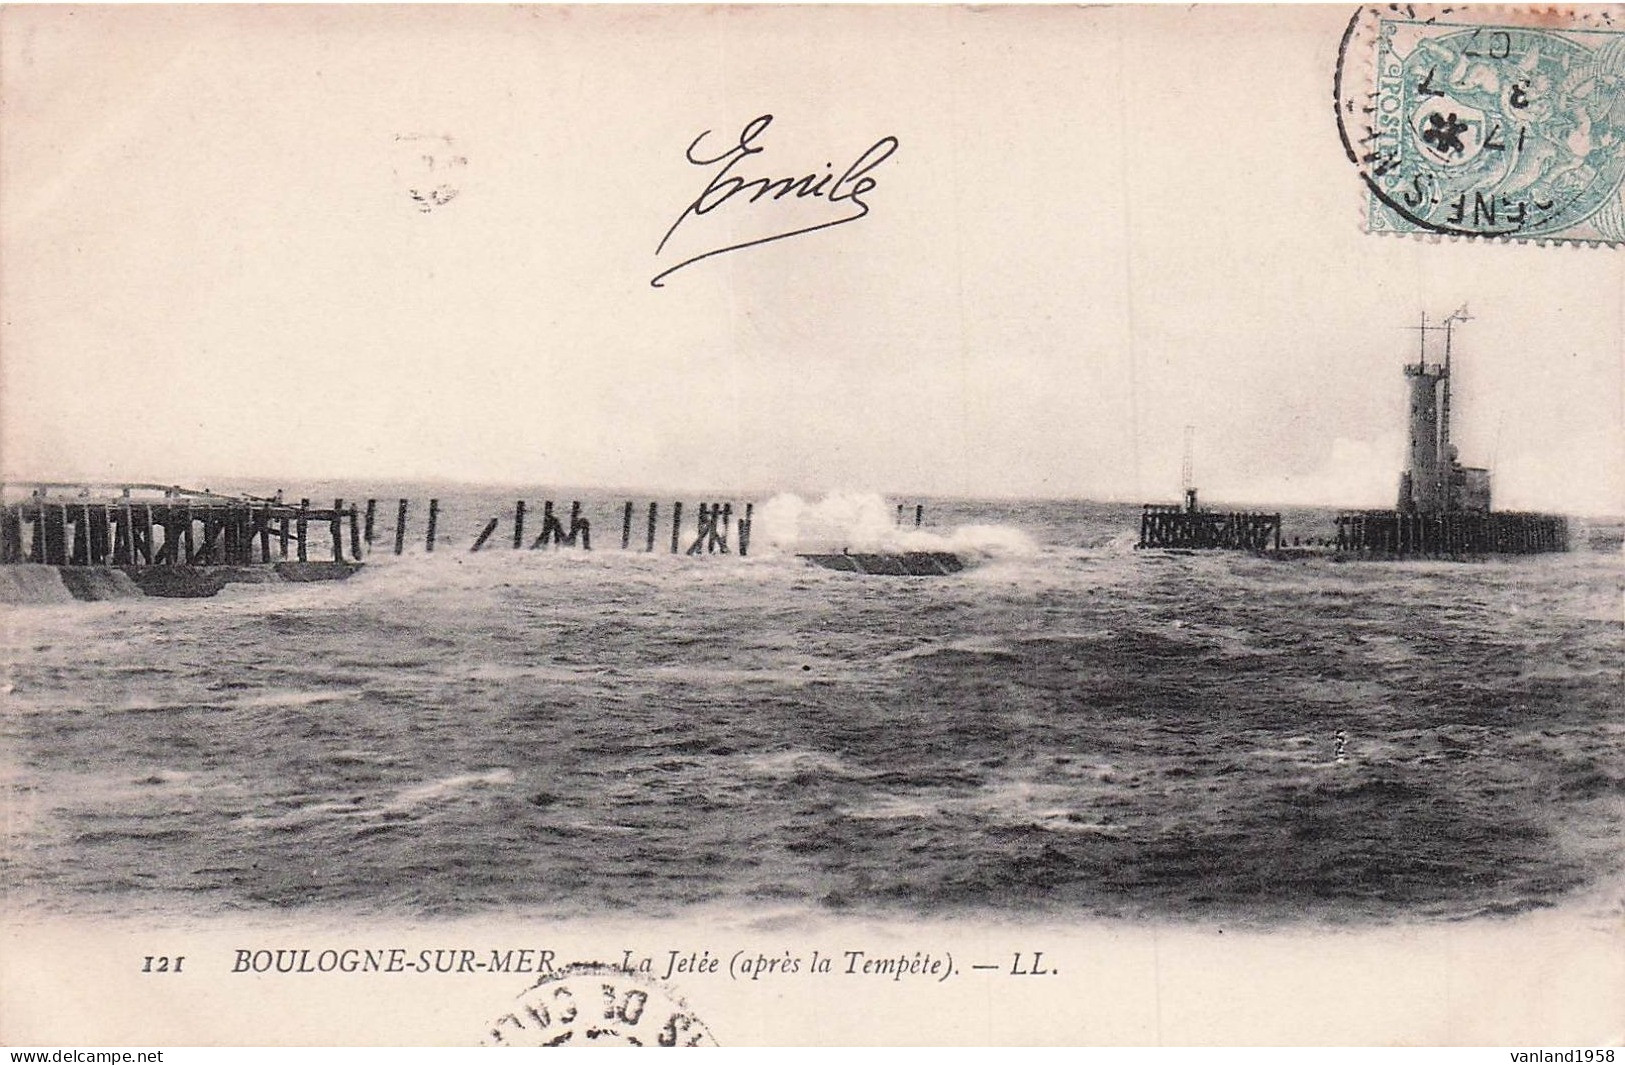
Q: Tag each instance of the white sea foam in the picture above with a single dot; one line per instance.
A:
(438, 789)
(864, 521)
(800, 763)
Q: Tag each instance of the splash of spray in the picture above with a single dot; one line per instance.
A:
(864, 521)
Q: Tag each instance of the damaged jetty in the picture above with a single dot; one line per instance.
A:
(173, 541)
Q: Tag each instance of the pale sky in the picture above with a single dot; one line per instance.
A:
(1098, 226)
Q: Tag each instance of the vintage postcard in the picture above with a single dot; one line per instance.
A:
(812, 526)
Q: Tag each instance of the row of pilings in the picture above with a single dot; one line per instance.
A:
(1397, 534)
(191, 532)
(715, 525)
(1170, 526)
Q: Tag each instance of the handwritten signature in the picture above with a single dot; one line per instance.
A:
(854, 184)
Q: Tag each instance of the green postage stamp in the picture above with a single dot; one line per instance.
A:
(1496, 123)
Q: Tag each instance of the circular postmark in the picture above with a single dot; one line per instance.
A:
(1509, 124)
(595, 1004)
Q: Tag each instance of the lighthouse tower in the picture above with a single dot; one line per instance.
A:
(1433, 481)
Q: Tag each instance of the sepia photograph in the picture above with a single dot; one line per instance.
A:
(812, 525)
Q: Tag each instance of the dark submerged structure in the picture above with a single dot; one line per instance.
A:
(891, 564)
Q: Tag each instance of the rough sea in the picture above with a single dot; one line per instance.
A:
(1069, 728)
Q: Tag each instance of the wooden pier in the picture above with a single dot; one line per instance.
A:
(1187, 527)
(178, 530)
(1396, 534)
(153, 527)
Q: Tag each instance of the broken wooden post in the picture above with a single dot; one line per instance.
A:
(626, 526)
(485, 534)
(302, 526)
(434, 515)
(550, 524)
(336, 526)
(704, 512)
(579, 527)
(186, 539)
(709, 539)
(653, 509)
(919, 514)
(400, 527)
(899, 513)
(355, 535)
(518, 524)
(744, 530)
(372, 513)
(676, 525)
(265, 533)
(575, 522)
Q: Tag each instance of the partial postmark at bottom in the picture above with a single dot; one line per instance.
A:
(596, 1004)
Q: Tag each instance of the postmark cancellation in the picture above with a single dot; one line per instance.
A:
(598, 1004)
(1498, 123)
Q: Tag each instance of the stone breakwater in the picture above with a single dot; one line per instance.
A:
(29, 584)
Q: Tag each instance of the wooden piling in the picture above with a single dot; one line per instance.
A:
(744, 530)
(700, 529)
(434, 515)
(60, 554)
(485, 534)
(626, 526)
(124, 547)
(550, 526)
(355, 535)
(518, 524)
(265, 533)
(575, 523)
(580, 528)
(336, 525)
(224, 548)
(653, 515)
(205, 553)
(75, 539)
(100, 537)
(372, 514)
(400, 527)
(919, 515)
(303, 528)
(676, 525)
(14, 534)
